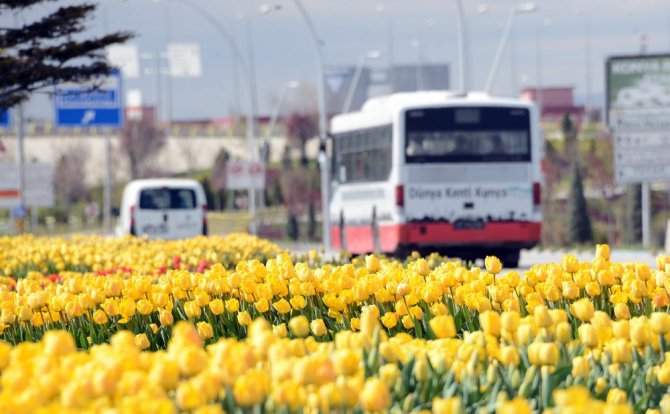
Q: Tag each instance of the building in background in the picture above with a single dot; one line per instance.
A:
(429, 76)
(555, 103)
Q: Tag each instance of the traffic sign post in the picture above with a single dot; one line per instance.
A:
(242, 175)
(100, 106)
(38, 187)
(638, 112)
(5, 119)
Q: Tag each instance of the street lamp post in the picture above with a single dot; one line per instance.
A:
(373, 54)
(463, 55)
(323, 127)
(418, 44)
(538, 67)
(251, 132)
(518, 9)
(252, 144)
(157, 70)
(587, 66)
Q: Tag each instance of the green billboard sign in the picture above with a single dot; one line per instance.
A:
(638, 112)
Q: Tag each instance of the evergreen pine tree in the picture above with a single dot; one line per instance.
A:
(579, 223)
(633, 215)
(41, 52)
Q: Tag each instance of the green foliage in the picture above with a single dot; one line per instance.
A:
(579, 222)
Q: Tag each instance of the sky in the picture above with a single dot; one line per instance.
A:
(562, 43)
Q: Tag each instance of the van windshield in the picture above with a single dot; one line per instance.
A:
(167, 199)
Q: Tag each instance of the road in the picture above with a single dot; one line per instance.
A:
(528, 257)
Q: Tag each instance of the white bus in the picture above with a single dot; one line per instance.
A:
(437, 171)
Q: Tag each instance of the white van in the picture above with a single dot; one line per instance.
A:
(164, 208)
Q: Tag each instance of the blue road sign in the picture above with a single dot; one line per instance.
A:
(81, 107)
(4, 119)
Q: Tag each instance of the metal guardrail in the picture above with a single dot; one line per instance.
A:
(179, 130)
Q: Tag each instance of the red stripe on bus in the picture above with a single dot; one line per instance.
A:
(493, 232)
(359, 239)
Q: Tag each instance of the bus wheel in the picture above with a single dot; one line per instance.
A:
(511, 259)
(401, 252)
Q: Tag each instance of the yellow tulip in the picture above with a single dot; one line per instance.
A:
(663, 374)
(516, 406)
(280, 330)
(570, 263)
(588, 335)
(451, 405)
(564, 332)
(490, 323)
(188, 396)
(216, 306)
(346, 361)
(375, 396)
(621, 351)
(299, 326)
(592, 289)
(282, 306)
(192, 309)
(243, 318)
(509, 356)
(660, 322)
(665, 404)
(580, 367)
(583, 309)
(232, 305)
(58, 343)
(621, 311)
(389, 374)
(142, 341)
(575, 396)
(548, 353)
(443, 326)
(165, 317)
(605, 277)
(389, 320)
(318, 328)
(372, 263)
(542, 317)
(205, 330)
(642, 271)
(493, 265)
(616, 396)
(262, 305)
(601, 386)
(298, 302)
(144, 307)
(603, 251)
(100, 317)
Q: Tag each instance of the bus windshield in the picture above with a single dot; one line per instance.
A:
(467, 134)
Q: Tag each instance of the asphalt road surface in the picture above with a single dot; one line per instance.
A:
(530, 257)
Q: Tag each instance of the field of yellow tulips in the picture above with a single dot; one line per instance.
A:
(236, 325)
